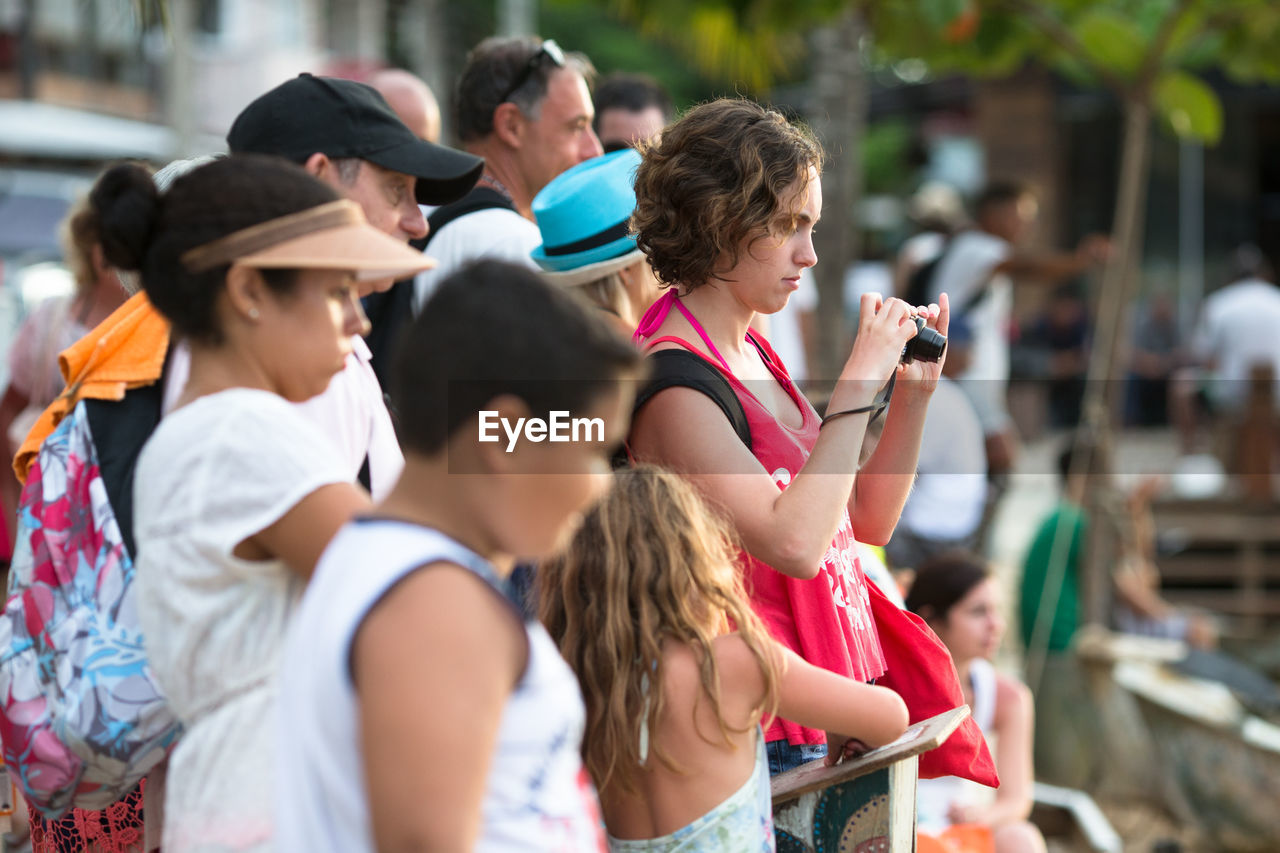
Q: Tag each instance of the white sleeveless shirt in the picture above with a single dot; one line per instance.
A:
(935, 796)
(538, 797)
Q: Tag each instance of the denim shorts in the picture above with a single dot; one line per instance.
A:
(784, 756)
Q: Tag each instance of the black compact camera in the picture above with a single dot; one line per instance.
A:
(927, 345)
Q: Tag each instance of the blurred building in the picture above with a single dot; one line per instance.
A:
(1065, 141)
(190, 71)
(87, 82)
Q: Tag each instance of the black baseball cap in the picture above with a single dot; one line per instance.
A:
(343, 118)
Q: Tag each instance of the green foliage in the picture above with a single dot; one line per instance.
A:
(937, 14)
(614, 45)
(749, 44)
(885, 166)
(1190, 107)
(1111, 41)
(1250, 39)
(1004, 43)
(1139, 48)
(1146, 49)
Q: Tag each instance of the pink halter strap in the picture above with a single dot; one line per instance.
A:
(657, 314)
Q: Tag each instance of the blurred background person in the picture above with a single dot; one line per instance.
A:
(118, 365)
(630, 109)
(945, 508)
(1236, 331)
(956, 594)
(411, 99)
(937, 211)
(35, 378)
(1050, 604)
(978, 271)
(1157, 352)
(1139, 607)
(1059, 338)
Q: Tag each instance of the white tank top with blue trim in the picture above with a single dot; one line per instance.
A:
(539, 796)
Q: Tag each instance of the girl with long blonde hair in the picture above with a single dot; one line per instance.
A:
(679, 673)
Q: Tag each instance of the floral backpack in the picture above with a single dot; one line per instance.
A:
(81, 718)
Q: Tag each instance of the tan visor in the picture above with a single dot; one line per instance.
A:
(333, 236)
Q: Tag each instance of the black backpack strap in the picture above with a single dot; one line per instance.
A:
(671, 368)
(364, 478)
(389, 311)
(119, 429)
(919, 283)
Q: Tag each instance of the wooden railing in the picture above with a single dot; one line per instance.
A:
(864, 804)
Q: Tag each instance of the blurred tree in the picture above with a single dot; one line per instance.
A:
(1147, 52)
(886, 157)
(751, 43)
(615, 45)
(838, 115)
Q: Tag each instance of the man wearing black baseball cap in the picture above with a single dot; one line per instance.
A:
(344, 133)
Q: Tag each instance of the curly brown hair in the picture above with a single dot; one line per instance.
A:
(714, 184)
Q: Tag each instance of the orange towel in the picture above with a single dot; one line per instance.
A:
(125, 351)
(958, 838)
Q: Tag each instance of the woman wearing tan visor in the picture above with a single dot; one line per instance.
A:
(255, 264)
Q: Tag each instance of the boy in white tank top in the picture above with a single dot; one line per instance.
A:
(418, 707)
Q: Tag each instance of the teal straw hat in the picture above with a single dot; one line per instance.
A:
(584, 215)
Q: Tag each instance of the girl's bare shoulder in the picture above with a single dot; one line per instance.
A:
(737, 665)
(1013, 700)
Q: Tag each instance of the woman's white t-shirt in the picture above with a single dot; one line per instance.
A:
(351, 413)
(214, 473)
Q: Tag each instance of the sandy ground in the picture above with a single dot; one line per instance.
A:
(1143, 827)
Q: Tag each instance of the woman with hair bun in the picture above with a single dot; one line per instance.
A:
(254, 265)
(959, 599)
(726, 207)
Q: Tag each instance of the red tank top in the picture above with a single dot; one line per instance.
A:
(826, 620)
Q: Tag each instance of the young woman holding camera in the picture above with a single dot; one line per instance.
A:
(726, 207)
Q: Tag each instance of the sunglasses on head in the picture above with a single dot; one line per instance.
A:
(549, 50)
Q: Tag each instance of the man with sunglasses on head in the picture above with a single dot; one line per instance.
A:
(523, 105)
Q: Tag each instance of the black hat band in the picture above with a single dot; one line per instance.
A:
(595, 241)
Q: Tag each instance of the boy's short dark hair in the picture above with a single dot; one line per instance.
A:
(998, 193)
(495, 328)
